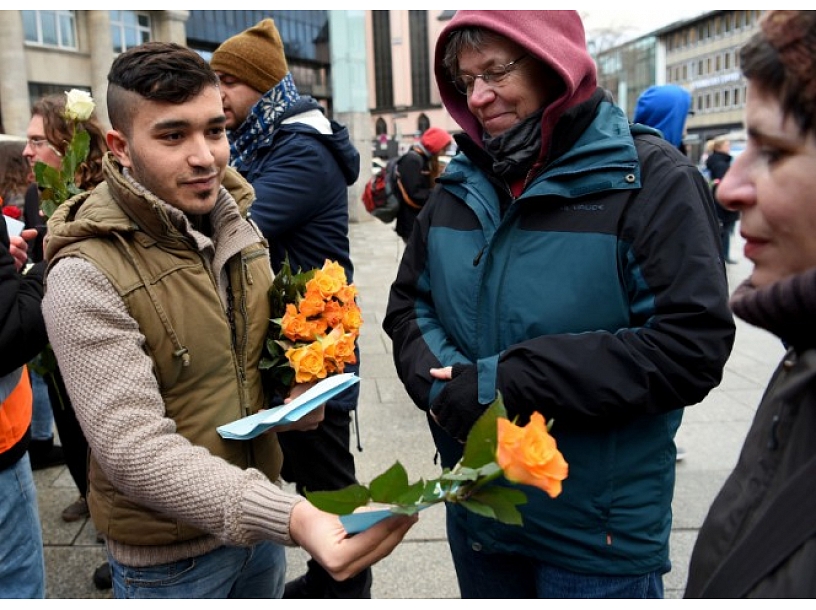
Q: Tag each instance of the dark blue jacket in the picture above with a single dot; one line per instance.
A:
(301, 181)
(598, 299)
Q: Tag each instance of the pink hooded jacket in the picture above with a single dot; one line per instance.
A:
(555, 38)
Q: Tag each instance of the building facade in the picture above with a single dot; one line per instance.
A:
(51, 51)
(403, 96)
(700, 54)
(47, 51)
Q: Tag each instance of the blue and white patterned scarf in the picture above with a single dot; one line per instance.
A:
(262, 120)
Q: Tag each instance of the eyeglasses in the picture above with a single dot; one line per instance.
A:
(464, 83)
(37, 143)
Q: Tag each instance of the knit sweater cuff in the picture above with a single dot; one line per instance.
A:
(265, 513)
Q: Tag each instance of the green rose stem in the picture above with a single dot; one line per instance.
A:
(469, 483)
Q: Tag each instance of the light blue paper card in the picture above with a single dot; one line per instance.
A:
(253, 425)
(14, 226)
(360, 522)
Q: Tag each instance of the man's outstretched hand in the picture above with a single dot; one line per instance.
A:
(322, 536)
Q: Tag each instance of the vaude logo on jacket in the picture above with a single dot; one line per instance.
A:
(583, 207)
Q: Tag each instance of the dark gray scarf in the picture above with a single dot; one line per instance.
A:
(786, 308)
(515, 151)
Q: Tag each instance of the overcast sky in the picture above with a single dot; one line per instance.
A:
(641, 21)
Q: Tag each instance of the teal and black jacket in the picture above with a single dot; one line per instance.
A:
(596, 297)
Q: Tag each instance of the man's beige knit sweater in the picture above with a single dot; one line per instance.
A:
(112, 386)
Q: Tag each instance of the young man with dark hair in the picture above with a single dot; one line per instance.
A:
(157, 309)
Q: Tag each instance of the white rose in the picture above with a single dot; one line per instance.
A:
(79, 105)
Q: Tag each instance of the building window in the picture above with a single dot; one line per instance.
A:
(38, 90)
(420, 58)
(129, 29)
(726, 98)
(383, 71)
(50, 28)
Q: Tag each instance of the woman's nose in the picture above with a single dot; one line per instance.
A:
(736, 189)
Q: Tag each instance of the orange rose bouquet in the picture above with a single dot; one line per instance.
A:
(496, 449)
(313, 330)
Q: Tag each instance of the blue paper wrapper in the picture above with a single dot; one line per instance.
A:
(250, 427)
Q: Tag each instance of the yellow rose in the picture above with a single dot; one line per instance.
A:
(335, 270)
(312, 305)
(295, 326)
(529, 455)
(324, 284)
(352, 318)
(79, 105)
(346, 294)
(333, 313)
(307, 362)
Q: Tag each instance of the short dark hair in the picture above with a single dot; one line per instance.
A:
(464, 39)
(780, 59)
(157, 71)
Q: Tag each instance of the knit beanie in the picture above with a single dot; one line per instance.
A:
(435, 140)
(255, 57)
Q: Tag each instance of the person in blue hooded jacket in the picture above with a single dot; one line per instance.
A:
(300, 164)
(666, 108)
(569, 262)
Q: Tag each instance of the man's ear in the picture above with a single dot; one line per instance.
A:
(118, 145)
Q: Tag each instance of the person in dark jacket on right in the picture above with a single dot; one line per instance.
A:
(571, 264)
(759, 537)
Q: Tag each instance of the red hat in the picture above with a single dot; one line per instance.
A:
(435, 140)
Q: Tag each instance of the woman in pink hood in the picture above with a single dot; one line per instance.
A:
(570, 263)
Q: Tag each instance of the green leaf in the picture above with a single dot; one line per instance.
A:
(433, 492)
(340, 502)
(491, 470)
(75, 153)
(461, 474)
(502, 502)
(405, 509)
(412, 496)
(480, 448)
(477, 507)
(391, 484)
(47, 176)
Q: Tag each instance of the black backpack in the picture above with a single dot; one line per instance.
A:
(379, 196)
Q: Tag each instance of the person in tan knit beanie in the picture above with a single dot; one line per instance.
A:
(255, 57)
(300, 164)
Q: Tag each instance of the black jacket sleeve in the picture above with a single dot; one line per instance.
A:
(22, 328)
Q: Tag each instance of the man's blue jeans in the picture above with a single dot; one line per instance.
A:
(42, 417)
(499, 576)
(22, 569)
(228, 572)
